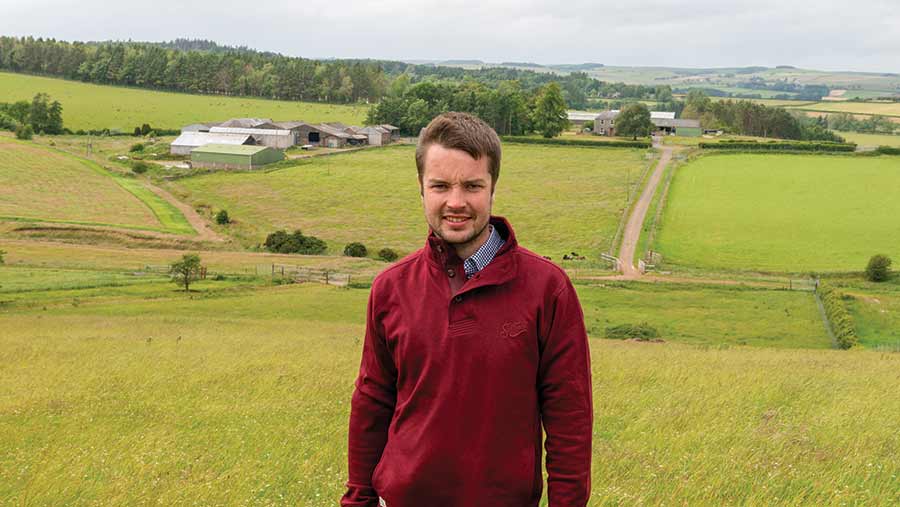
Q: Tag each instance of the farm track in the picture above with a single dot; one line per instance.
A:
(200, 225)
(635, 223)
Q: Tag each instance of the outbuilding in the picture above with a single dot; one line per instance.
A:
(189, 141)
(229, 156)
(273, 138)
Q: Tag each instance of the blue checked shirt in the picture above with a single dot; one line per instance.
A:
(484, 255)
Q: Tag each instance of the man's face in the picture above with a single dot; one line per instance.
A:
(457, 196)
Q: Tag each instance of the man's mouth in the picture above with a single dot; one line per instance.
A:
(456, 219)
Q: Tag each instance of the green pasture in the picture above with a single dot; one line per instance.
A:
(871, 140)
(240, 395)
(89, 106)
(559, 199)
(868, 108)
(781, 213)
(46, 185)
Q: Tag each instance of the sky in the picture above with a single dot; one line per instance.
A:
(863, 35)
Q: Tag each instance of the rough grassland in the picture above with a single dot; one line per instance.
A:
(38, 184)
(124, 108)
(883, 108)
(708, 316)
(782, 213)
(559, 199)
(244, 399)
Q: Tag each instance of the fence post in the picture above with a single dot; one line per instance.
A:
(326, 277)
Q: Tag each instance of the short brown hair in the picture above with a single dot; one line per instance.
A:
(461, 131)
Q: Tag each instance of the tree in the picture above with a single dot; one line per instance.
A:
(634, 121)
(186, 270)
(549, 117)
(879, 268)
(222, 218)
(24, 132)
(355, 249)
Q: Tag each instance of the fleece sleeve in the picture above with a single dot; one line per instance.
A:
(371, 410)
(564, 388)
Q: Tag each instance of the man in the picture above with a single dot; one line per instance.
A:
(471, 343)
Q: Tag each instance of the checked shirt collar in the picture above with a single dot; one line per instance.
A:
(484, 255)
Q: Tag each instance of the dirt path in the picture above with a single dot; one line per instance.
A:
(636, 220)
(204, 232)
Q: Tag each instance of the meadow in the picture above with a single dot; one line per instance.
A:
(125, 108)
(871, 140)
(44, 185)
(781, 213)
(559, 199)
(240, 395)
(867, 108)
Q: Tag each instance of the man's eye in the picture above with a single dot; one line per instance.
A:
(439, 186)
(473, 186)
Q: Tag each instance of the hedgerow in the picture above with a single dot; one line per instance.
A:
(840, 319)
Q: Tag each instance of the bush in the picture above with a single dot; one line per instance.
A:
(838, 316)
(137, 132)
(387, 255)
(642, 332)
(222, 218)
(282, 242)
(355, 250)
(576, 142)
(146, 129)
(24, 132)
(778, 146)
(879, 268)
(888, 150)
(2, 253)
(136, 147)
(139, 166)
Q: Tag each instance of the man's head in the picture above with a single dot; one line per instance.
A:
(458, 160)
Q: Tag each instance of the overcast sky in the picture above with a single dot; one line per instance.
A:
(826, 34)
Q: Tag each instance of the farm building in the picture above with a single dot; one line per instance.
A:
(188, 141)
(248, 123)
(229, 156)
(198, 127)
(273, 138)
(378, 136)
(686, 128)
(326, 135)
(392, 130)
(664, 121)
(579, 118)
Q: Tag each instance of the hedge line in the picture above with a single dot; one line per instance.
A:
(841, 321)
(576, 142)
(888, 150)
(778, 146)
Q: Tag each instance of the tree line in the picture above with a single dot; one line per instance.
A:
(40, 115)
(508, 107)
(747, 118)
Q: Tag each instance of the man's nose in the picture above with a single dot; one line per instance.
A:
(457, 197)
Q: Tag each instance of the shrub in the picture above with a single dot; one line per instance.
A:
(888, 150)
(355, 250)
(139, 166)
(576, 142)
(146, 129)
(24, 132)
(879, 268)
(642, 331)
(778, 146)
(838, 316)
(137, 132)
(2, 253)
(387, 255)
(136, 147)
(222, 218)
(282, 242)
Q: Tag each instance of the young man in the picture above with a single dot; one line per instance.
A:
(471, 344)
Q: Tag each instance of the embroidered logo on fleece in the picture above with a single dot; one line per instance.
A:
(513, 329)
(381, 502)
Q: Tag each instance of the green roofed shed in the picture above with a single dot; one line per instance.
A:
(229, 156)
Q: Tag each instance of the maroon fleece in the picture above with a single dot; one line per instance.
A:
(456, 378)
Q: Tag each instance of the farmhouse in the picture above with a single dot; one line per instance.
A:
(229, 156)
(664, 121)
(188, 141)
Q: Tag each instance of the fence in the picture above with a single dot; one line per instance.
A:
(304, 274)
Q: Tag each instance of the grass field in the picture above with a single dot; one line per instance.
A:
(129, 107)
(559, 199)
(870, 140)
(242, 397)
(45, 185)
(781, 213)
(868, 108)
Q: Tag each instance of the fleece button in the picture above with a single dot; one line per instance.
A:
(458, 299)
(450, 272)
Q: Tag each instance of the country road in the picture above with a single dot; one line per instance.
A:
(632, 233)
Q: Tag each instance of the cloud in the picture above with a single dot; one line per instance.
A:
(827, 34)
